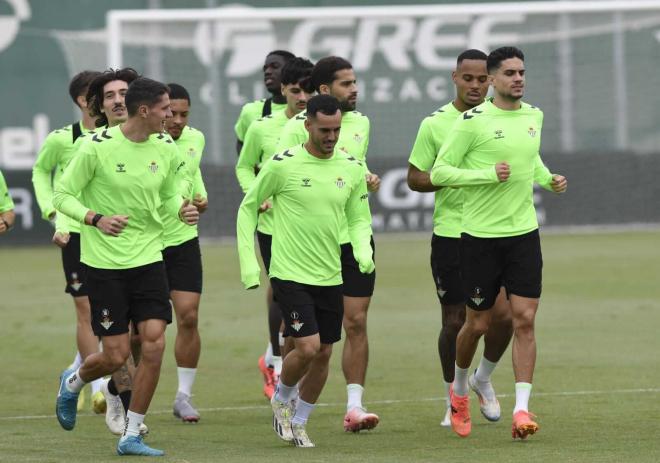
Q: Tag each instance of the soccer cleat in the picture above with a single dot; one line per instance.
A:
(134, 445)
(269, 378)
(183, 408)
(66, 403)
(490, 408)
(357, 419)
(98, 403)
(460, 413)
(282, 414)
(115, 417)
(300, 437)
(523, 425)
(81, 401)
(446, 422)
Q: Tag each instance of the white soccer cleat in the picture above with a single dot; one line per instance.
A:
(300, 437)
(115, 418)
(282, 414)
(446, 422)
(488, 403)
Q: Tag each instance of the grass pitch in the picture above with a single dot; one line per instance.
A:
(596, 387)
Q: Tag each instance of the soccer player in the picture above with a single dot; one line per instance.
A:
(260, 145)
(122, 176)
(7, 216)
(335, 76)
(316, 188)
(55, 153)
(494, 150)
(471, 81)
(182, 256)
(275, 61)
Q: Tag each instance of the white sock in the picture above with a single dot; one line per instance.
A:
(484, 370)
(285, 393)
(186, 379)
(447, 386)
(461, 387)
(133, 422)
(96, 385)
(77, 361)
(355, 392)
(73, 382)
(277, 364)
(281, 339)
(523, 391)
(268, 356)
(303, 409)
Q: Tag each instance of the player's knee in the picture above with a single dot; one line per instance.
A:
(478, 325)
(308, 350)
(524, 321)
(355, 323)
(116, 358)
(187, 320)
(323, 356)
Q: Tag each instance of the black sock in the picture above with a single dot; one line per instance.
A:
(125, 399)
(112, 388)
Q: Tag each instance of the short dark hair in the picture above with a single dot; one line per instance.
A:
(144, 91)
(80, 83)
(178, 92)
(324, 72)
(472, 53)
(95, 91)
(297, 70)
(324, 104)
(287, 55)
(497, 56)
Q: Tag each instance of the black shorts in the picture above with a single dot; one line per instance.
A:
(183, 264)
(487, 264)
(446, 269)
(356, 283)
(265, 242)
(74, 270)
(118, 297)
(308, 309)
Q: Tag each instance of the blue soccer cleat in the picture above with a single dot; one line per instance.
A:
(134, 445)
(66, 405)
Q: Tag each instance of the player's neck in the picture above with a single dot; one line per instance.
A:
(88, 122)
(278, 98)
(507, 104)
(290, 112)
(311, 149)
(461, 106)
(134, 130)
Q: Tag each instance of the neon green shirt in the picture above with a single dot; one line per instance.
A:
(353, 140)
(311, 196)
(479, 139)
(448, 201)
(259, 146)
(251, 112)
(6, 203)
(115, 176)
(56, 152)
(191, 146)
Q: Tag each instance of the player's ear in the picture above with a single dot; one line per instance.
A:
(283, 89)
(454, 76)
(143, 111)
(82, 101)
(324, 89)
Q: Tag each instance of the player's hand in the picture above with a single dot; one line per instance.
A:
(112, 225)
(200, 203)
(265, 206)
(367, 266)
(373, 182)
(188, 213)
(559, 183)
(3, 227)
(61, 239)
(503, 171)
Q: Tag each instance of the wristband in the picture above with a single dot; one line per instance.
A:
(96, 219)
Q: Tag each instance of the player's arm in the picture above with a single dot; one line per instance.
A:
(268, 182)
(241, 127)
(42, 175)
(249, 158)
(547, 180)
(175, 202)
(373, 180)
(358, 217)
(421, 160)
(446, 170)
(200, 195)
(7, 216)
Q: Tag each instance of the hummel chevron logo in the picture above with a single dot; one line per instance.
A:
(474, 111)
(105, 135)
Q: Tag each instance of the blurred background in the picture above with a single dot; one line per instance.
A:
(592, 69)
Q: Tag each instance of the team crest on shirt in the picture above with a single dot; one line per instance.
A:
(191, 152)
(75, 283)
(358, 138)
(340, 182)
(498, 134)
(153, 167)
(531, 132)
(106, 322)
(296, 324)
(477, 296)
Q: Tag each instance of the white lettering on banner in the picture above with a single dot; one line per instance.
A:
(304, 40)
(19, 145)
(22, 206)
(395, 194)
(10, 25)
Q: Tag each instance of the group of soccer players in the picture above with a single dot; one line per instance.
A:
(127, 195)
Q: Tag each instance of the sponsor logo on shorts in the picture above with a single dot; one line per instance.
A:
(75, 283)
(106, 322)
(296, 323)
(477, 296)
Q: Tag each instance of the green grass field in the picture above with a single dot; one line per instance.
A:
(596, 388)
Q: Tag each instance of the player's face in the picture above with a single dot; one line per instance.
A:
(114, 107)
(296, 97)
(509, 79)
(471, 80)
(157, 116)
(272, 73)
(324, 131)
(344, 88)
(175, 125)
